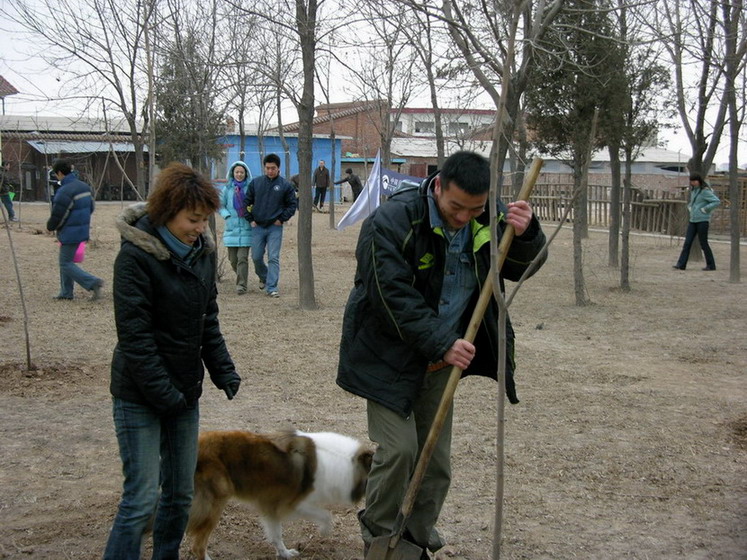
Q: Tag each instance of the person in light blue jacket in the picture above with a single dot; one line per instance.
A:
(237, 233)
(703, 201)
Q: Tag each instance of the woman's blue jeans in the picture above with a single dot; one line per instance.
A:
(159, 457)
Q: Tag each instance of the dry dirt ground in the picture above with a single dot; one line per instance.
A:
(630, 440)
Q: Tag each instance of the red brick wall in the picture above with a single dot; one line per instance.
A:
(362, 127)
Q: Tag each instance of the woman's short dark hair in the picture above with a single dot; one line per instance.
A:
(696, 177)
(179, 187)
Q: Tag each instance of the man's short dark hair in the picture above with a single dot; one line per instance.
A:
(467, 170)
(271, 158)
(349, 170)
(63, 166)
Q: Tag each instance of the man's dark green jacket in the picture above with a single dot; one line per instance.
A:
(391, 329)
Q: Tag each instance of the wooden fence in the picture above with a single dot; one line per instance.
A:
(651, 210)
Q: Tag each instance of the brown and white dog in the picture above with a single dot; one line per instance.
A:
(285, 475)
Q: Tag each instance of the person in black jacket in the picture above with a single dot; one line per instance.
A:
(320, 182)
(422, 257)
(354, 182)
(166, 315)
(270, 202)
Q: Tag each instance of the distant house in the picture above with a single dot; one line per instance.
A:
(654, 168)
(32, 143)
(456, 123)
(322, 147)
(360, 122)
(6, 89)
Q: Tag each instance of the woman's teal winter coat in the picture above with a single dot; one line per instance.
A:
(703, 201)
(237, 231)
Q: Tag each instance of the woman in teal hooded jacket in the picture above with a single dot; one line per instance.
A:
(703, 201)
(237, 233)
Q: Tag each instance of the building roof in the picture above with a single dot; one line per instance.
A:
(446, 111)
(53, 147)
(426, 148)
(6, 88)
(418, 147)
(45, 124)
(335, 111)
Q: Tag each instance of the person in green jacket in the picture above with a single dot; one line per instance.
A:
(703, 201)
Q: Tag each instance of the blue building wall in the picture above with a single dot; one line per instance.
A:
(321, 149)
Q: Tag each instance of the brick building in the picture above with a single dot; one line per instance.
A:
(360, 123)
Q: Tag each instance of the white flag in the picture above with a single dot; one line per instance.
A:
(368, 200)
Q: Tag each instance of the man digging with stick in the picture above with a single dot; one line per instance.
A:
(422, 258)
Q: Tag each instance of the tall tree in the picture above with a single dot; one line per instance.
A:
(735, 39)
(100, 45)
(690, 32)
(481, 32)
(187, 120)
(238, 81)
(302, 26)
(385, 64)
(569, 86)
(631, 114)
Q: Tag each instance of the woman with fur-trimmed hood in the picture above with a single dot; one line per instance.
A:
(237, 232)
(166, 314)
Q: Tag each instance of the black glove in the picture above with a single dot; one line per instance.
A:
(232, 388)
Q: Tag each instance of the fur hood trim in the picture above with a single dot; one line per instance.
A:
(126, 224)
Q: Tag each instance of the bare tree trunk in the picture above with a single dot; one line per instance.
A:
(626, 217)
(29, 365)
(580, 220)
(242, 133)
(332, 177)
(150, 106)
(736, 47)
(614, 232)
(579, 284)
(306, 12)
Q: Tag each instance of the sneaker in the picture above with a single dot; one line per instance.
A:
(273, 294)
(62, 297)
(97, 291)
(241, 291)
(678, 267)
(14, 219)
(261, 285)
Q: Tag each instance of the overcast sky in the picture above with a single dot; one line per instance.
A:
(36, 83)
